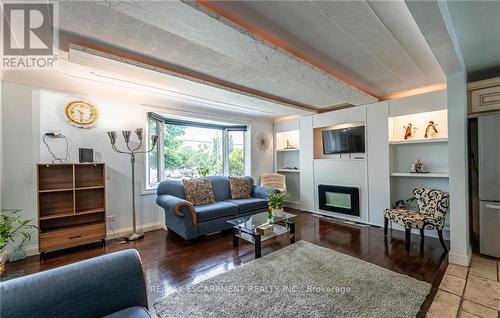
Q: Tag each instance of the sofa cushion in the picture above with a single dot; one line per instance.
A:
(199, 191)
(220, 186)
(130, 312)
(251, 204)
(215, 210)
(240, 187)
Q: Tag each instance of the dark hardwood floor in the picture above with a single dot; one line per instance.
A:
(170, 263)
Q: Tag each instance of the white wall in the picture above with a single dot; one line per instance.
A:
(377, 148)
(28, 113)
(261, 161)
(418, 103)
(460, 251)
(112, 116)
(306, 163)
(19, 158)
(1, 140)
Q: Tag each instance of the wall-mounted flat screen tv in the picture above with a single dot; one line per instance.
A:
(344, 140)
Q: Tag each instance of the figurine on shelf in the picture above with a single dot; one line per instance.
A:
(288, 145)
(417, 167)
(431, 130)
(409, 131)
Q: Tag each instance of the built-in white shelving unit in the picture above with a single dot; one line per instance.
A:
(433, 151)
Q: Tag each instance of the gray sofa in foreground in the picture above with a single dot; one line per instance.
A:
(110, 286)
(191, 221)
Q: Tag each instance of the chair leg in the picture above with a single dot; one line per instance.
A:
(421, 239)
(440, 234)
(386, 224)
(407, 239)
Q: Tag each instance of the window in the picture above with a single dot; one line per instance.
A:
(153, 156)
(236, 149)
(191, 149)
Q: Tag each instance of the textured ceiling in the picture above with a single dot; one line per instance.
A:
(375, 44)
(179, 34)
(477, 26)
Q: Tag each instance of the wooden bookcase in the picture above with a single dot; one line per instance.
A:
(71, 205)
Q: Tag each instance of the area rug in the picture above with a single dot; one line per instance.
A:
(301, 280)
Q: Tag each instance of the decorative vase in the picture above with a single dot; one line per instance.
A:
(278, 212)
(3, 259)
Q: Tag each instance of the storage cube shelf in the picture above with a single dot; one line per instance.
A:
(71, 204)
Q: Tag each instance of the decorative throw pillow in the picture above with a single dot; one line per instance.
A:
(240, 187)
(199, 191)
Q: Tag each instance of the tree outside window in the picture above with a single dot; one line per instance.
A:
(191, 152)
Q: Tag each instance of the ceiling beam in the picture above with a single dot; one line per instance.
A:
(66, 40)
(214, 10)
(433, 20)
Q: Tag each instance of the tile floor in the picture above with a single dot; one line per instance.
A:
(467, 292)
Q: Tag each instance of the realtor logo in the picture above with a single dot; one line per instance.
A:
(28, 35)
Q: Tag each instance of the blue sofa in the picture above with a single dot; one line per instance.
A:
(110, 286)
(191, 221)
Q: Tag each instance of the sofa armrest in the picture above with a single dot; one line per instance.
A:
(261, 192)
(178, 206)
(91, 288)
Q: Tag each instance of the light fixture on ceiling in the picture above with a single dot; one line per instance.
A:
(415, 91)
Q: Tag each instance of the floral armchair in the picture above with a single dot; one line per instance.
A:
(432, 207)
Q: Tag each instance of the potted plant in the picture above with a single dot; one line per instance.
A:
(12, 227)
(204, 172)
(276, 201)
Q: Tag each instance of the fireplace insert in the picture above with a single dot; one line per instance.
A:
(339, 199)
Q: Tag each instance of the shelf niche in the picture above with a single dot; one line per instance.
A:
(89, 175)
(286, 159)
(420, 122)
(291, 136)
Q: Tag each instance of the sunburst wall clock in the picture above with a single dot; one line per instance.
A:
(81, 114)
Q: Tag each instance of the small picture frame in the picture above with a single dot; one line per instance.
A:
(85, 155)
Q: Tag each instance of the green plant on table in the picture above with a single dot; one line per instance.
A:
(276, 200)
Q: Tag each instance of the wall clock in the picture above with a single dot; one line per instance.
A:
(81, 114)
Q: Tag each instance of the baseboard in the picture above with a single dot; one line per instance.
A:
(33, 249)
(127, 230)
(428, 233)
(460, 259)
(339, 216)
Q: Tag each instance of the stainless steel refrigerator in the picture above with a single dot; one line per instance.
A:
(489, 184)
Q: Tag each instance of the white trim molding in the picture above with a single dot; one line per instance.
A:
(460, 259)
(148, 227)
